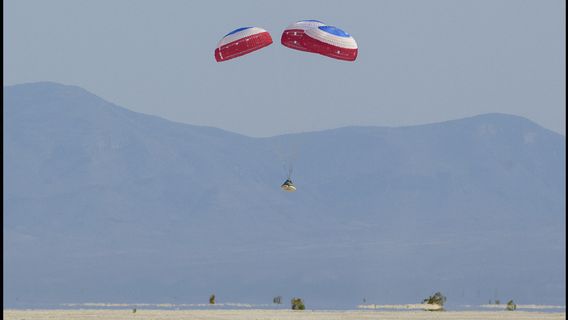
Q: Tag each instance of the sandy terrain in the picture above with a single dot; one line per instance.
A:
(273, 315)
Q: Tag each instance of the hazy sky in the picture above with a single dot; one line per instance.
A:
(419, 61)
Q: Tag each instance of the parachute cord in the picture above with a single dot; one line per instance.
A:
(284, 166)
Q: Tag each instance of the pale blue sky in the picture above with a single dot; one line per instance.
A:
(419, 61)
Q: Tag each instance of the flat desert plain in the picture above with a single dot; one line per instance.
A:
(275, 315)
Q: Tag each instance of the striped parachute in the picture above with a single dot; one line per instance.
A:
(332, 42)
(316, 37)
(241, 41)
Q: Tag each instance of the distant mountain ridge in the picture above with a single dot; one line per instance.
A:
(102, 204)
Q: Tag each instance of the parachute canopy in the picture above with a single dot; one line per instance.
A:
(241, 41)
(316, 37)
(331, 42)
(293, 35)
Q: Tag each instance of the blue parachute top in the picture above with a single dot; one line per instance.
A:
(335, 31)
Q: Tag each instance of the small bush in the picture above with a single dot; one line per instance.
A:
(511, 306)
(298, 304)
(438, 299)
(212, 299)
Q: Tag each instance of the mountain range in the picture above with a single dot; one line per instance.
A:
(103, 204)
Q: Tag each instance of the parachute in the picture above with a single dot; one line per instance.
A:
(241, 41)
(312, 36)
(332, 42)
(293, 35)
(316, 37)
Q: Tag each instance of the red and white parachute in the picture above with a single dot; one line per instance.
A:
(331, 42)
(316, 37)
(241, 41)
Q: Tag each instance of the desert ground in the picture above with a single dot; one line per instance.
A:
(274, 315)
